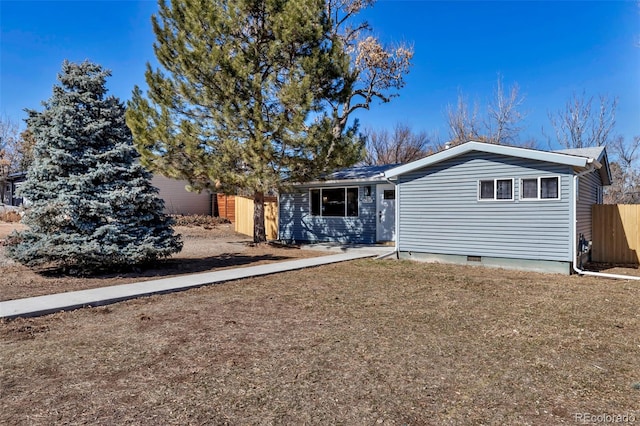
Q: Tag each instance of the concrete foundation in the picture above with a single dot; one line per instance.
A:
(547, 266)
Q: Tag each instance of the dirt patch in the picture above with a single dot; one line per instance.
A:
(363, 342)
(613, 269)
(205, 249)
(8, 228)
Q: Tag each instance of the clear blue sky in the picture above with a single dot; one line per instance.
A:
(550, 48)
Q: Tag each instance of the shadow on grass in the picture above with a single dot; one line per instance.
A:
(167, 267)
(603, 267)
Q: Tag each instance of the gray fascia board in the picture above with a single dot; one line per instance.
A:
(531, 154)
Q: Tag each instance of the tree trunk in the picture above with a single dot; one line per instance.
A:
(259, 232)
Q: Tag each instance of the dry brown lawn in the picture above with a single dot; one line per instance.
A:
(363, 342)
(205, 249)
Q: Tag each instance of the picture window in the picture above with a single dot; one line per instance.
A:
(334, 202)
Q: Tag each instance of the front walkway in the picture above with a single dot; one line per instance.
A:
(42, 305)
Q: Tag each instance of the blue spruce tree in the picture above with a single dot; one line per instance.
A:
(92, 206)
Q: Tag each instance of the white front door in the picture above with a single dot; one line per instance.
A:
(386, 212)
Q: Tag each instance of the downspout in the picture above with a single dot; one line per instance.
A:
(575, 232)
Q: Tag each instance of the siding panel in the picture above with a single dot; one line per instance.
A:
(296, 224)
(440, 212)
(587, 196)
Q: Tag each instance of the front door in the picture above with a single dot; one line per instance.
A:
(386, 212)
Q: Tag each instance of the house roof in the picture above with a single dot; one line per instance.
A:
(569, 159)
(357, 173)
(591, 152)
(16, 176)
(597, 153)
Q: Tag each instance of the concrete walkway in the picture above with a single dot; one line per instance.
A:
(42, 305)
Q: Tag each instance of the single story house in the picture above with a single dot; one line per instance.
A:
(355, 205)
(12, 183)
(476, 203)
(177, 200)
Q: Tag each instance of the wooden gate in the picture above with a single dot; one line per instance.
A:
(616, 233)
(244, 216)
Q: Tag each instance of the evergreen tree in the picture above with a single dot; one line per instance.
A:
(92, 205)
(239, 103)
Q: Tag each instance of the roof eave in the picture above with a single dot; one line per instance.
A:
(380, 178)
(570, 160)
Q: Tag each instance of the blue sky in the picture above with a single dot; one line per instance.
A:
(551, 49)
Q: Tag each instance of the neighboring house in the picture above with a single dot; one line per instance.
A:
(12, 183)
(476, 203)
(355, 205)
(177, 200)
(498, 205)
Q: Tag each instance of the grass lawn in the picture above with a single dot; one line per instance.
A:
(363, 342)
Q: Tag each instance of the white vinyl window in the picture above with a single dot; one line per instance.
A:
(495, 190)
(540, 188)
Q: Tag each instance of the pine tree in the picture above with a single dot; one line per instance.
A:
(239, 101)
(92, 205)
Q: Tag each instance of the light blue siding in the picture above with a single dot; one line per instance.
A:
(439, 211)
(588, 188)
(296, 224)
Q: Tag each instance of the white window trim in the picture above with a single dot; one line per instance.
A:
(495, 190)
(346, 188)
(539, 188)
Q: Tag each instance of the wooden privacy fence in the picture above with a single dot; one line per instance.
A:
(226, 206)
(616, 233)
(244, 216)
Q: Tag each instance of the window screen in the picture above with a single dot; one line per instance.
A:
(529, 188)
(486, 189)
(504, 190)
(549, 187)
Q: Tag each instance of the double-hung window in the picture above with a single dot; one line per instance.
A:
(495, 190)
(540, 188)
(336, 202)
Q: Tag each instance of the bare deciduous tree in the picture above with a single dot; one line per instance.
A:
(503, 115)
(580, 125)
(401, 146)
(500, 125)
(15, 147)
(463, 122)
(377, 71)
(9, 151)
(625, 188)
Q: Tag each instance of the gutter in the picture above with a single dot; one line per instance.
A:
(594, 165)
